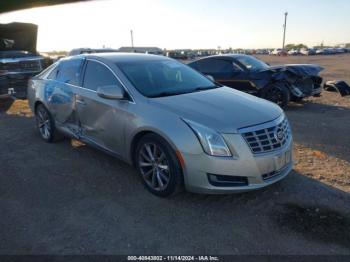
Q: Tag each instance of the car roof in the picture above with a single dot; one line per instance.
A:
(234, 56)
(120, 57)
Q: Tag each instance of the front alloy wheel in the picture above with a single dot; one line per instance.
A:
(154, 166)
(158, 166)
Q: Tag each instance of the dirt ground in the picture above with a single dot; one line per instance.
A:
(67, 198)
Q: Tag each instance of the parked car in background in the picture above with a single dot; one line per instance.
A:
(262, 52)
(278, 51)
(321, 51)
(325, 51)
(308, 51)
(19, 59)
(340, 50)
(294, 52)
(174, 125)
(180, 54)
(279, 84)
(330, 51)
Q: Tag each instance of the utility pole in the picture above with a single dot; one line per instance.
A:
(132, 40)
(284, 29)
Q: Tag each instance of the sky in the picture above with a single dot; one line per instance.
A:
(175, 24)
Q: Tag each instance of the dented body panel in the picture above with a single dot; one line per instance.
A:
(303, 80)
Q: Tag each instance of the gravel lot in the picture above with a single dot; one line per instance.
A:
(67, 198)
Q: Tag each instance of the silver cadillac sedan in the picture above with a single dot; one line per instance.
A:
(177, 127)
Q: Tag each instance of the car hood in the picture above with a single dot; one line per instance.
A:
(222, 109)
(18, 37)
(299, 69)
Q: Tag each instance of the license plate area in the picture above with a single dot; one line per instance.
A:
(282, 160)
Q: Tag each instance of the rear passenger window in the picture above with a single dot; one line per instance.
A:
(236, 68)
(69, 71)
(53, 73)
(215, 66)
(97, 75)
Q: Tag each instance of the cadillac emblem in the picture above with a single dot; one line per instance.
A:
(279, 134)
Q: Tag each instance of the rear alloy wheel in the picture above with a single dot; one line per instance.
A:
(277, 93)
(158, 166)
(45, 123)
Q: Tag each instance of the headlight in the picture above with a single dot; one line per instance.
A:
(212, 142)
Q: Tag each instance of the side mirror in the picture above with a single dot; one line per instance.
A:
(210, 78)
(114, 92)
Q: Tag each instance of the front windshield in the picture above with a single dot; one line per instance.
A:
(252, 64)
(158, 78)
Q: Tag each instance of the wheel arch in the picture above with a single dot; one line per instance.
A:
(138, 136)
(36, 104)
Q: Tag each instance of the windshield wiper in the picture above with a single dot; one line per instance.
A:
(202, 88)
(162, 94)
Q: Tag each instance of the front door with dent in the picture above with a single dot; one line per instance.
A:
(101, 120)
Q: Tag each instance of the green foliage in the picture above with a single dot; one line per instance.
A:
(294, 46)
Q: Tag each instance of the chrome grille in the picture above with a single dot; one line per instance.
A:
(30, 65)
(268, 139)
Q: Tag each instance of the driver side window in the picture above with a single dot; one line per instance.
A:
(215, 66)
(97, 75)
(236, 68)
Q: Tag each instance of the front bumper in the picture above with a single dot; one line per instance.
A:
(314, 89)
(257, 169)
(317, 91)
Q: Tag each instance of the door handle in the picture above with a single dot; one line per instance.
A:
(80, 101)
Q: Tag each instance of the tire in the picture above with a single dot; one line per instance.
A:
(45, 124)
(158, 166)
(21, 95)
(296, 99)
(277, 93)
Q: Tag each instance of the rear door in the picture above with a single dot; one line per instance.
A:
(101, 120)
(60, 87)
